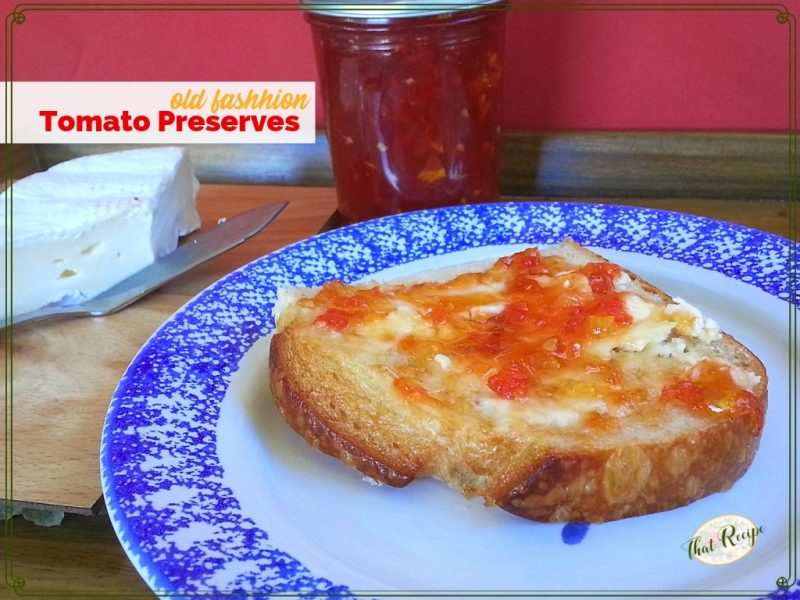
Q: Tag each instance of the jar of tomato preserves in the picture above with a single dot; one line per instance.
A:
(412, 102)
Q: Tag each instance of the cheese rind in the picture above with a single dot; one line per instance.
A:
(86, 224)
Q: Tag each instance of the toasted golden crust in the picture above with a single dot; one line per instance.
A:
(350, 413)
(294, 400)
(605, 485)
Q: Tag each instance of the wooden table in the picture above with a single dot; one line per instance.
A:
(55, 468)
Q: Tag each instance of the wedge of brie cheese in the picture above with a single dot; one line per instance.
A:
(86, 224)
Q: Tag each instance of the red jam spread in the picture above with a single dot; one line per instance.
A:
(412, 390)
(412, 108)
(348, 306)
(523, 327)
(708, 387)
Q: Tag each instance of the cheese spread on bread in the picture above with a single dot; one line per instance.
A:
(534, 341)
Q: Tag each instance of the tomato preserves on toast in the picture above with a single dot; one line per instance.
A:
(552, 383)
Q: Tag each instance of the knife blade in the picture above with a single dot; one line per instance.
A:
(194, 251)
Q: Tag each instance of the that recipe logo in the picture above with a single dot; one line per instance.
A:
(723, 540)
(163, 112)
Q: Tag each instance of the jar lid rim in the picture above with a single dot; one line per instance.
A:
(391, 9)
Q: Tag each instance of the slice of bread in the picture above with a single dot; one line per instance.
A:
(553, 383)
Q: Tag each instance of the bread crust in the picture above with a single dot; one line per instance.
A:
(293, 403)
(606, 485)
(589, 482)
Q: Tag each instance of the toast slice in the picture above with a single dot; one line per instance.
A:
(553, 383)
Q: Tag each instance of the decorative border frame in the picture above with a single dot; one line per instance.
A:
(783, 16)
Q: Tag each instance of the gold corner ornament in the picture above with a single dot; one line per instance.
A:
(783, 17)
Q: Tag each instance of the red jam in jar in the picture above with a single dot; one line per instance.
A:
(412, 104)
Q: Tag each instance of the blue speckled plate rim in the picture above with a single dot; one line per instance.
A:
(151, 572)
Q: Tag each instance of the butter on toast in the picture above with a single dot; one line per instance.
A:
(553, 383)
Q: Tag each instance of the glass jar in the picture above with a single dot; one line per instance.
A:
(412, 103)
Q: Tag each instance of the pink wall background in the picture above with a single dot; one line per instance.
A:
(698, 71)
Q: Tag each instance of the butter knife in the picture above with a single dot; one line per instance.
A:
(192, 252)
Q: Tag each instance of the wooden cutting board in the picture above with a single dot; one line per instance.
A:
(63, 373)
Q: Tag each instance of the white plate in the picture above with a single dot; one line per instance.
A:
(210, 491)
